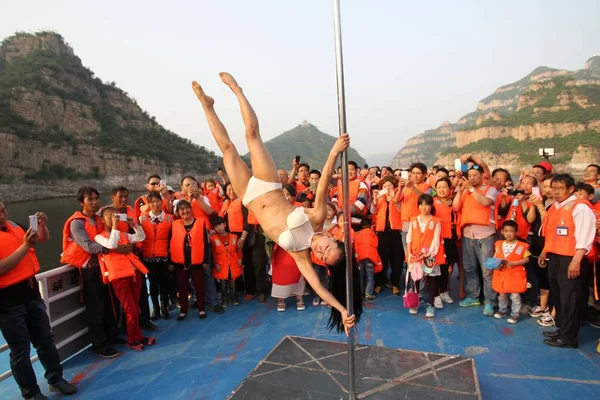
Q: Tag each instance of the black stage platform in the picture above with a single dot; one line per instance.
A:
(302, 368)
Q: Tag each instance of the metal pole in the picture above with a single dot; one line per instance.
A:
(339, 61)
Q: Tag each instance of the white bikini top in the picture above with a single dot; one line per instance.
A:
(299, 234)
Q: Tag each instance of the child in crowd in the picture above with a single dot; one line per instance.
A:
(124, 272)
(425, 247)
(369, 262)
(227, 260)
(511, 277)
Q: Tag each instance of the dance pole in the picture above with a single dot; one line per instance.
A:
(339, 62)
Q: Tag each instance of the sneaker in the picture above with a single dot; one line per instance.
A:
(218, 309)
(235, 301)
(63, 387)
(430, 312)
(546, 320)
(537, 312)
(446, 298)
(377, 290)
(437, 302)
(137, 346)
(181, 316)
(316, 301)
(300, 306)
(396, 291)
(369, 297)
(488, 310)
(281, 307)
(513, 319)
(500, 314)
(105, 351)
(202, 314)
(469, 302)
(413, 310)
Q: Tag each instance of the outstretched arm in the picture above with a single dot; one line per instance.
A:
(340, 145)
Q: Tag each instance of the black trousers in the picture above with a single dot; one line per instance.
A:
(569, 295)
(24, 324)
(99, 313)
(391, 252)
(158, 274)
(255, 266)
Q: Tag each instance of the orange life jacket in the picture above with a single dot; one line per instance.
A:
(301, 187)
(366, 242)
(410, 204)
(336, 233)
(444, 213)
(196, 239)
(156, 243)
(27, 267)
(394, 215)
(115, 266)
(523, 225)
(199, 213)
(514, 279)
(422, 240)
(235, 216)
(473, 213)
(563, 245)
(144, 199)
(228, 257)
(215, 200)
(353, 188)
(252, 219)
(73, 254)
(497, 217)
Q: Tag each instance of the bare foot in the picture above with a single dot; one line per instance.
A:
(204, 99)
(229, 81)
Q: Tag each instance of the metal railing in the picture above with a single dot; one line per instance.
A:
(61, 293)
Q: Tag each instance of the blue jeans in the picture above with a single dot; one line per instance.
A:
(475, 254)
(367, 269)
(24, 324)
(210, 288)
(515, 299)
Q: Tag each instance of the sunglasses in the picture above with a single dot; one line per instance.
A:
(154, 183)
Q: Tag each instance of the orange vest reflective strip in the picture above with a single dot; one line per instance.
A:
(444, 213)
(196, 239)
(421, 240)
(353, 188)
(226, 257)
(73, 254)
(514, 279)
(156, 243)
(523, 225)
(235, 217)
(563, 245)
(410, 205)
(366, 243)
(474, 213)
(394, 216)
(115, 266)
(27, 267)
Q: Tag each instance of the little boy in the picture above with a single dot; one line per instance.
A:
(511, 277)
(227, 260)
(369, 262)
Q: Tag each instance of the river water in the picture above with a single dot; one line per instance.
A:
(58, 211)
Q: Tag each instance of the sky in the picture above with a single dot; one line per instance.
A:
(409, 66)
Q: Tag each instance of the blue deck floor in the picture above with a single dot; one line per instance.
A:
(207, 359)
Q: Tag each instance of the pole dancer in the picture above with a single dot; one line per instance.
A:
(296, 230)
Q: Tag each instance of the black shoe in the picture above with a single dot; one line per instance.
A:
(39, 396)
(154, 316)
(105, 351)
(63, 387)
(149, 326)
(181, 316)
(164, 312)
(117, 342)
(550, 334)
(558, 342)
(217, 309)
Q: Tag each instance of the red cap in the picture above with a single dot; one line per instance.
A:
(547, 166)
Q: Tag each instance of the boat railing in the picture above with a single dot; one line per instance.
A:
(61, 292)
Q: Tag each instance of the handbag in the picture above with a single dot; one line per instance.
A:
(411, 297)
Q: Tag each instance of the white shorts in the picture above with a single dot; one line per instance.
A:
(257, 188)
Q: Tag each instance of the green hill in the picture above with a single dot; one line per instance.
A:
(307, 141)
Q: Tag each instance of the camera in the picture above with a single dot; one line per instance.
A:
(514, 192)
(546, 152)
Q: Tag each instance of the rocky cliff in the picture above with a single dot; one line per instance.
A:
(60, 123)
(547, 108)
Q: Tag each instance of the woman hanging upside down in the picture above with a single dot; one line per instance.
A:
(297, 230)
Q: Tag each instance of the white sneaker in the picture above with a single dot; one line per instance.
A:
(446, 298)
(430, 312)
(413, 310)
(538, 312)
(546, 320)
(437, 302)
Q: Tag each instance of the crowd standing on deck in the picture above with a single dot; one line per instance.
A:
(528, 248)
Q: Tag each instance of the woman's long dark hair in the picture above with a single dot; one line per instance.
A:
(337, 287)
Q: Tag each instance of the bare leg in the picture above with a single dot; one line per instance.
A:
(236, 168)
(263, 166)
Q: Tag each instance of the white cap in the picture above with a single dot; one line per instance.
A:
(170, 188)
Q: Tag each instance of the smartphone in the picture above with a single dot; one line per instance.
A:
(122, 217)
(457, 164)
(297, 159)
(33, 223)
(464, 168)
(404, 175)
(382, 192)
(313, 186)
(535, 191)
(163, 182)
